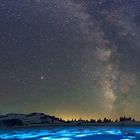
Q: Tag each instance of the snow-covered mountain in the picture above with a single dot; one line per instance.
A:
(32, 119)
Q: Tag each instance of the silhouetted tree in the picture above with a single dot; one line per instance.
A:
(75, 120)
(133, 120)
(116, 120)
(126, 119)
(80, 119)
(105, 120)
(92, 121)
(99, 121)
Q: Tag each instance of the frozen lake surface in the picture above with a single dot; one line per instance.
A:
(72, 133)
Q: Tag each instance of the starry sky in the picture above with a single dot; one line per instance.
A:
(70, 58)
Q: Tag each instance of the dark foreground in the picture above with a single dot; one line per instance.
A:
(72, 133)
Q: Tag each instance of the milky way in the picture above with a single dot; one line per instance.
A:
(99, 28)
(70, 58)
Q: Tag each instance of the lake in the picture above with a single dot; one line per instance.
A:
(72, 133)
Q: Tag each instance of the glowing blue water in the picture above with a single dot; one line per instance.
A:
(72, 133)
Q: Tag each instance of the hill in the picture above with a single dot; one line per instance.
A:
(33, 119)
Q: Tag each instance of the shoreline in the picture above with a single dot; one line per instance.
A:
(43, 126)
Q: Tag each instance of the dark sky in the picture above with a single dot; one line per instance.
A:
(70, 58)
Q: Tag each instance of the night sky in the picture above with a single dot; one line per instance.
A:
(70, 58)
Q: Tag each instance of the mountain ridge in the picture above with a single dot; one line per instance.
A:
(11, 120)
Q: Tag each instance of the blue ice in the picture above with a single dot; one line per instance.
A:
(72, 133)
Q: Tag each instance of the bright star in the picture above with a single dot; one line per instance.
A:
(42, 77)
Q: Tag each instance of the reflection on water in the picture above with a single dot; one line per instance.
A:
(72, 133)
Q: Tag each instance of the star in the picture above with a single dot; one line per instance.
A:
(42, 77)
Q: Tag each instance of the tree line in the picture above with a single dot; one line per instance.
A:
(105, 120)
